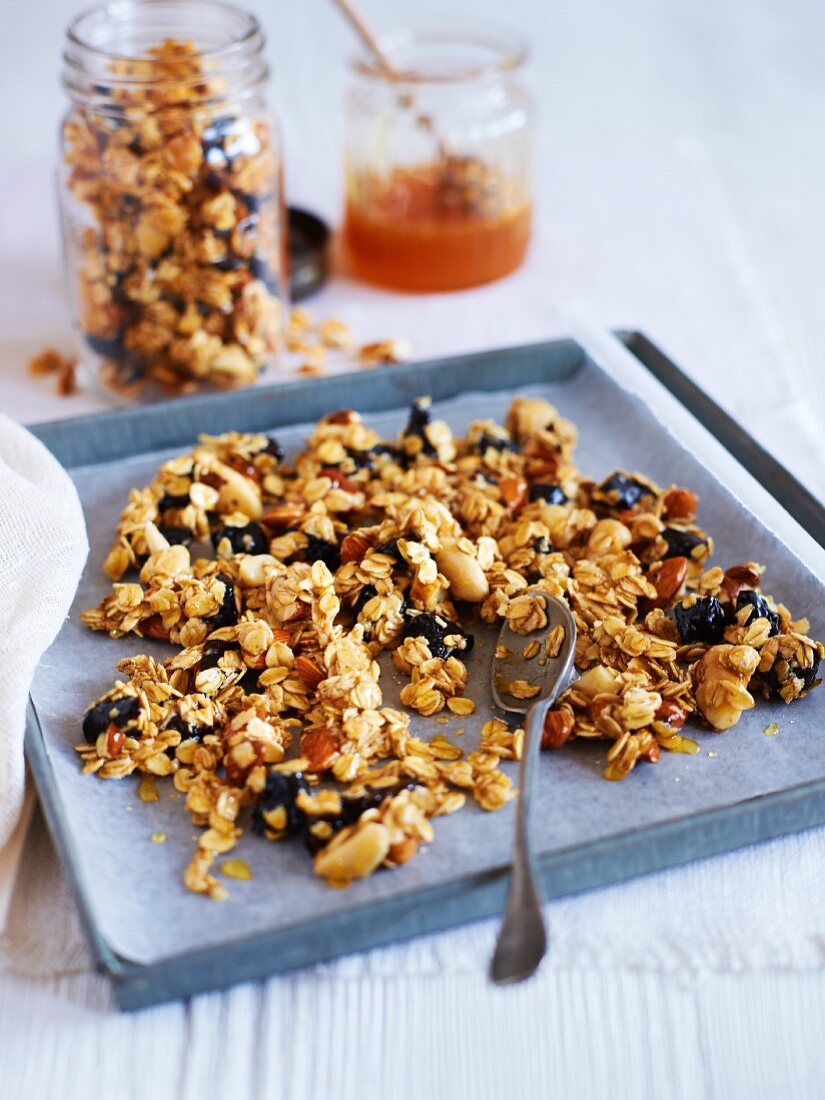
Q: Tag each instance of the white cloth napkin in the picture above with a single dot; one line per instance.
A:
(42, 550)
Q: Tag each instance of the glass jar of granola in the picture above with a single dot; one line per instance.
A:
(437, 154)
(171, 197)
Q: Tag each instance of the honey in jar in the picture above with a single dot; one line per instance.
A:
(434, 227)
(437, 163)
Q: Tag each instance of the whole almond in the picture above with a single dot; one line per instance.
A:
(513, 492)
(153, 628)
(667, 578)
(354, 547)
(558, 725)
(680, 504)
(284, 515)
(339, 479)
(404, 849)
(309, 672)
(321, 748)
(738, 577)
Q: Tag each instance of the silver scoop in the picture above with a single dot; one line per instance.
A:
(522, 941)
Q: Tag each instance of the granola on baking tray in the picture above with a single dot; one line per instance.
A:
(273, 703)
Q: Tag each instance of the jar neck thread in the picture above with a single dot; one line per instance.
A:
(161, 54)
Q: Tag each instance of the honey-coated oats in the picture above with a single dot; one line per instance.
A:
(272, 706)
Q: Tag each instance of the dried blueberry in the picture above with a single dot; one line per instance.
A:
(259, 269)
(748, 598)
(250, 201)
(322, 550)
(249, 539)
(187, 732)
(249, 681)
(433, 629)
(541, 545)
(390, 547)
(681, 544)
(623, 491)
(109, 349)
(175, 535)
(806, 675)
(418, 422)
(385, 449)
(352, 806)
(231, 263)
(280, 793)
(227, 613)
(117, 712)
(364, 597)
(498, 443)
(274, 448)
(552, 494)
(703, 621)
(213, 651)
(173, 500)
(215, 134)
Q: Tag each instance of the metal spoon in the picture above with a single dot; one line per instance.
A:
(522, 941)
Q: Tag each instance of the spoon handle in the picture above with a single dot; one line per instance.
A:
(367, 37)
(522, 940)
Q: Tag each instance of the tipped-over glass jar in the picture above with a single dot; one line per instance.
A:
(171, 197)
(437, 163)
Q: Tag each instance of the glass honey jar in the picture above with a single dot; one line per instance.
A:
(437, 160)
(171, 197)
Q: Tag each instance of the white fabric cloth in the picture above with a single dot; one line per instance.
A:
(42, 550)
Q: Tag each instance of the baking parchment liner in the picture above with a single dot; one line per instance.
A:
(134, 886)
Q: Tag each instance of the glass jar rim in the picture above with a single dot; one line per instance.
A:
(99, 65)
(114, 12)
(506, 53)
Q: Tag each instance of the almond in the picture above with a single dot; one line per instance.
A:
(343, 416)
(154, 628)
(667, 577)
(404, 849)
(670, 715)
(354, 547)
(245, 468)
(309, 672)
(320, 747)
(680, 504)
(339, 479)
(114, 739)
(513, 492)
(284, 515)
(738, 577)
(558, 725)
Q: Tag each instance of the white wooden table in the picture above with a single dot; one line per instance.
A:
(679, 169)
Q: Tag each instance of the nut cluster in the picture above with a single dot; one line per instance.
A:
(273, 705)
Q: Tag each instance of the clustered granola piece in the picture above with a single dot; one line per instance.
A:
(177, 259)
(63, 367)
(364, 545)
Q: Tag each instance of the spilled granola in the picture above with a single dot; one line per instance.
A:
(272, 709)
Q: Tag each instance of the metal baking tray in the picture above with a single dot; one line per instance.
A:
(157, 942)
